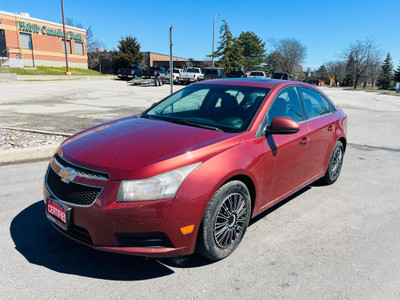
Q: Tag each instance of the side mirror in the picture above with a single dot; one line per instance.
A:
(282, 125)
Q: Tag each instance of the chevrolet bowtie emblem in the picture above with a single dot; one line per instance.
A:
(67, 174)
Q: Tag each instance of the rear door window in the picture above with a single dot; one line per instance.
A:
(327, 105)
(313, 103)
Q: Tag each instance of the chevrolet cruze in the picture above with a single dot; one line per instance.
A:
(190, 172)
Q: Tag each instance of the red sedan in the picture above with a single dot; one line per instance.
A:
(191, 171)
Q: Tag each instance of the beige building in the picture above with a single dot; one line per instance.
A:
(152, 59)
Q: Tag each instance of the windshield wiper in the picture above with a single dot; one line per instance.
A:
(194, 124)
(181, 121)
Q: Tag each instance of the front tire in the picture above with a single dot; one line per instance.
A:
(335, 164)
(225, 221)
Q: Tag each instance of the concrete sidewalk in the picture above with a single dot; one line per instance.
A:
(26, 154)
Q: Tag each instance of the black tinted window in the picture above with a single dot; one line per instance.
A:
(277, 76)
(286, 104)
(313, 103)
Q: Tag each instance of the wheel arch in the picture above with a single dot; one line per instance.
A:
(344, 143)
(250, 186)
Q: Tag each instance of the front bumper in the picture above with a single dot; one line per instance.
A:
(148, 228)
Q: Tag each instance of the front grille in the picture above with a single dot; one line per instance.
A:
(81, 170)
(71, 192)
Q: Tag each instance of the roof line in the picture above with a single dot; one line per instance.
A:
(39, 20)
(164, 54)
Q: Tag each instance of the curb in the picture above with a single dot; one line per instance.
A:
(62, 77)
(26, 154)
(36, 131)
(8, 77)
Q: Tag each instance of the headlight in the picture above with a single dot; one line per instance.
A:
(154, 188)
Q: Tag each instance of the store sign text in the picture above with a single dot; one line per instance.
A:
(48, 31)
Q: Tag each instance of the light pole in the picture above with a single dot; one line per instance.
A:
(213, 39)
(171, 65)
(65, 39)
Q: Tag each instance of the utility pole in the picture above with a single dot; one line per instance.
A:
(171, 66)
(65, 39)
(213, 39)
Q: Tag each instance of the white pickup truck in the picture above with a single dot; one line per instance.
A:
(192, 75)
(176, 75)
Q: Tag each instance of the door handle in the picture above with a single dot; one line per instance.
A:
(303, 141)
(330, 128)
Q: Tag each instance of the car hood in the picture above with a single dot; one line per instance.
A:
(133, 148)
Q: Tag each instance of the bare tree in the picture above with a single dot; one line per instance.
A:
(91, 42)
(365, 54)
(372, 75)
(292, 53)
(337, 69)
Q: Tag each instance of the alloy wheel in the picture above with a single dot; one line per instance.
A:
(230, 220)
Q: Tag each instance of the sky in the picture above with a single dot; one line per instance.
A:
(326, 28)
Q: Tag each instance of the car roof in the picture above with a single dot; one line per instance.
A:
(255, 82)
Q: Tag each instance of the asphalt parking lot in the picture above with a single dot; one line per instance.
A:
(326, 242)
(70, 106)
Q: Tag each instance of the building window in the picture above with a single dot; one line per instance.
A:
(26, 40)
(79, 48)
(69, 51)
(3, 47)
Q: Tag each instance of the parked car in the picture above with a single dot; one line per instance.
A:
(257, 74)
(281, 75)
(154, 72)
(192, 170)
(192, 75)
(236, 74)
(176, 75)
(213, 73)
(130, 72)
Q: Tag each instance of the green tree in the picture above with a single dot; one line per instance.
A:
(128, 53)
(385, 80)
(272, 63)
(350, 76)
(229, 51)
(397, 74)
(322, 74)
(253, 50)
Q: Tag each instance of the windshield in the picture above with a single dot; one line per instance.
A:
(256, 74)
(192, 70)
(217, 107)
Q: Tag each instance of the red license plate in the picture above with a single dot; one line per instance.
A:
(58, 213)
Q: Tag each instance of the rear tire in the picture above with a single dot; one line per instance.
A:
(335, 164)
(225, 221)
